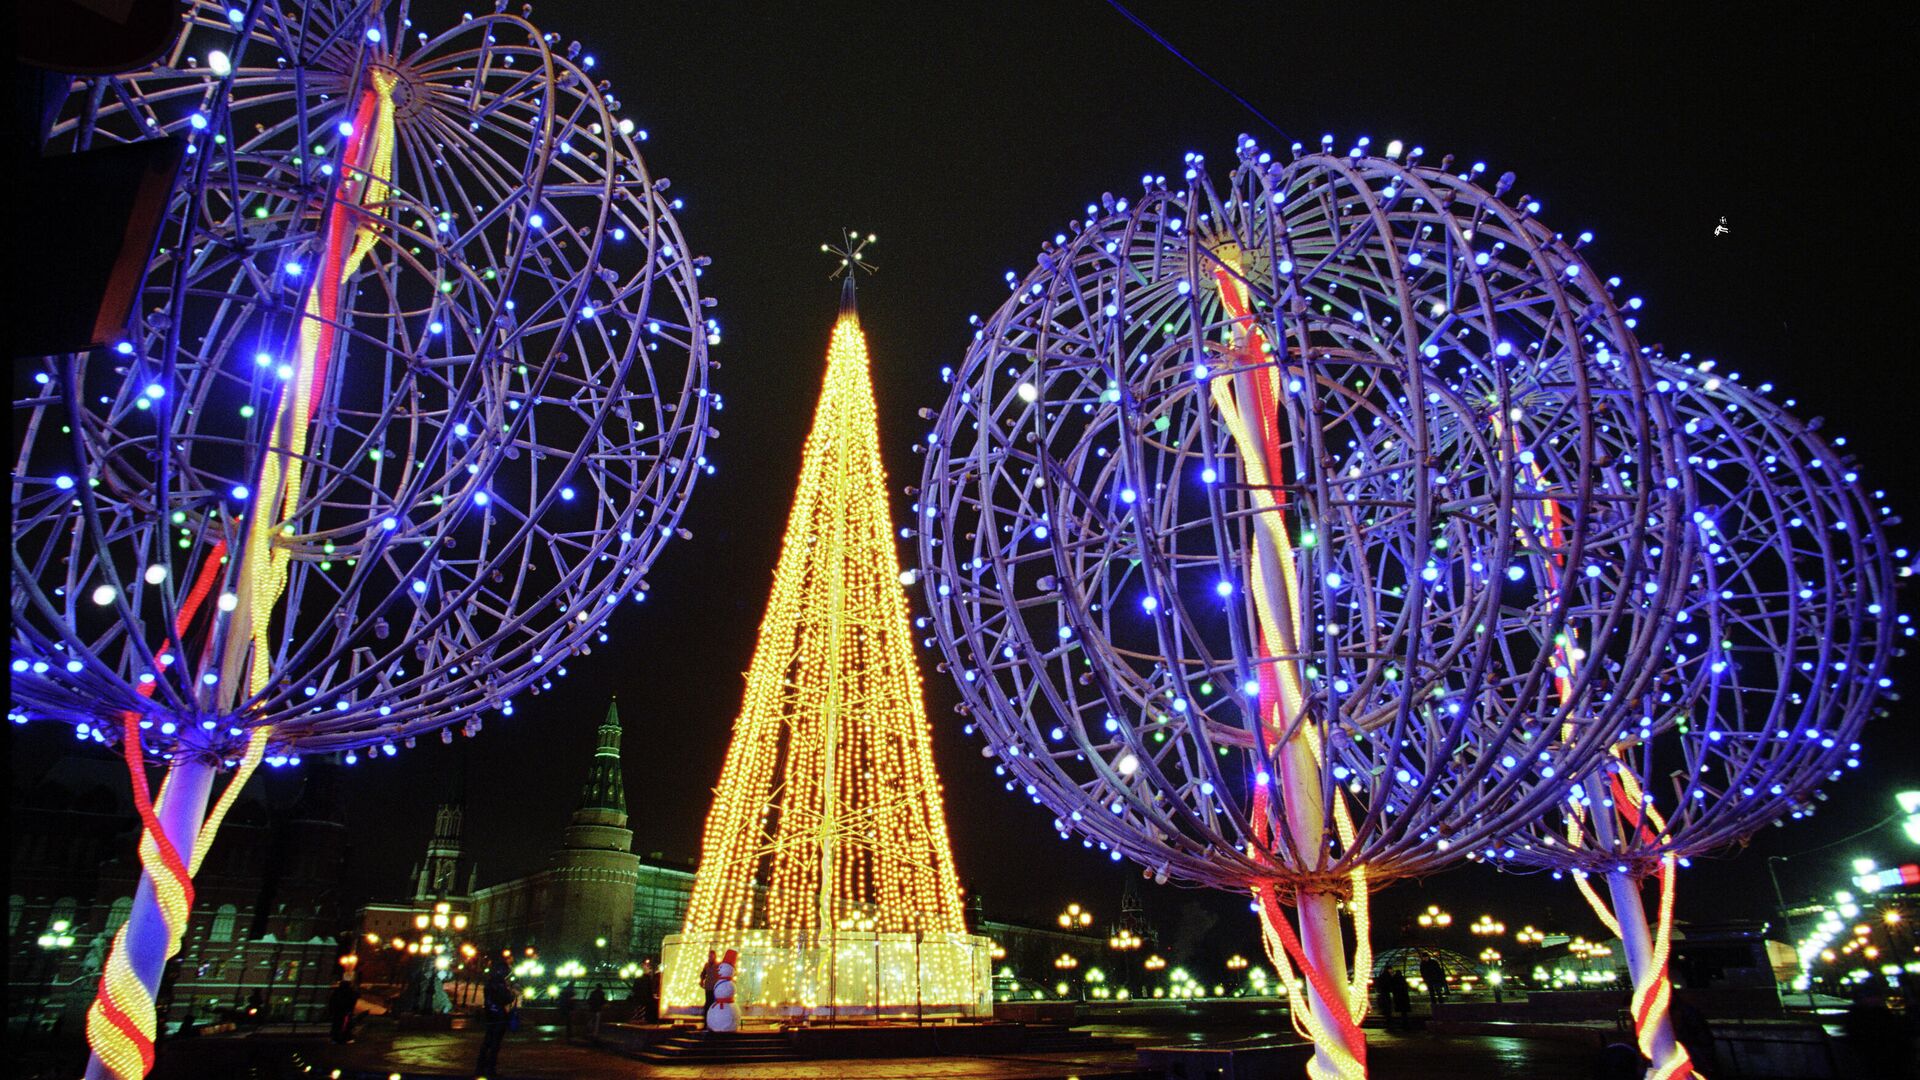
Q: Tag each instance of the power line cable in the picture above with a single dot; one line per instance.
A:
(1204, 73)
(1881, 824)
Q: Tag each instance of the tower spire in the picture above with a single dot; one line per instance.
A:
(605, 789)
(439, 875)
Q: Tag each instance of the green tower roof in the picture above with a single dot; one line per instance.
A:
(605, 790)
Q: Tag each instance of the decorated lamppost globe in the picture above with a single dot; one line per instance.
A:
(1302, 532)
(415, 395)
(1778, 659)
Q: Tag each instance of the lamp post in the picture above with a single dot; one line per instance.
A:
(1065, 963)
(1237, 963)
(1435, 919)
(1786, 917)
(1487, 926)
(57, 940)
(1125, 941)
(1075, 918)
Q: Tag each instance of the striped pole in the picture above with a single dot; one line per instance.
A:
(121, 1021)
(145, 941)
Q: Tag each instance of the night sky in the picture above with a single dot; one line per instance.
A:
(964, 135)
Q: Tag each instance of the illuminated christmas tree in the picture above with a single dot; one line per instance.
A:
(826, 859)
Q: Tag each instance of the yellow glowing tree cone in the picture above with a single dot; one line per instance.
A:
(828, 814)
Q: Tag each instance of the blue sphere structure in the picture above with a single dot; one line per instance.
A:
(1466, 461)
(424, 286)
(1778, 659)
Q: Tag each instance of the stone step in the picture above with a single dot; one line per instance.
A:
(719, 1048)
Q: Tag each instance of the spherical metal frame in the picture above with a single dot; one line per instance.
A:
(507, 439)
(1451, 369)
(1779, 657)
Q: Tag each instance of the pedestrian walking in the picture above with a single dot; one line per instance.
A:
(596, 1002)
(1403, 996)
(1435, 977)
(499, 1012)
(566, 1006)
(649, 992)
(1384, 987)
(340, 1010)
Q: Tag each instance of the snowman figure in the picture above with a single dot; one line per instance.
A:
(721, 1015)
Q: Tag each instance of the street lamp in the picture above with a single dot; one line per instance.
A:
(1486, 926)
(1066, 962)
(52, 943)
(1236, 962)
(1434, 917)
(1154, 963)
(1910, 805)
(1527, 935)
(1097, 979)
(56, 936)
(1124, 941)
(1075, 918)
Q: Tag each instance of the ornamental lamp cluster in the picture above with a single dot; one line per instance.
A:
(442, 917)
(1075, 918)
(1588, 950)
(56, 936)
(1487, 926)
(1434, 918)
